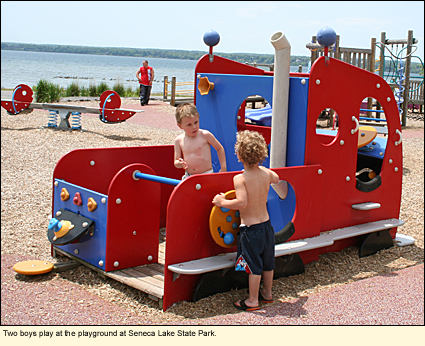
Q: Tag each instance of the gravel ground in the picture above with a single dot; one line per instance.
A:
(29, 154)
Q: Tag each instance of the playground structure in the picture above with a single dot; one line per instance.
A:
(108, 212)
(409, 93)
(68, 117)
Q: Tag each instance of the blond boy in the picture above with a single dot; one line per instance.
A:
(255, 250)
(192, 151)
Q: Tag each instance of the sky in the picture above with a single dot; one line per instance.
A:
(244, 26)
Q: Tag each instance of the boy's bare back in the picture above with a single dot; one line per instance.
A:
(254, 183)
(252, 186)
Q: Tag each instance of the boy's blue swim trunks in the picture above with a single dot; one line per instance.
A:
(255, 251)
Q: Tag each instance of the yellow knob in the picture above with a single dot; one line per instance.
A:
(204, 86)
(66, 227)
(91, 204)
(64, 194)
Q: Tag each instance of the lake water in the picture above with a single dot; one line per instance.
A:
(19, 67)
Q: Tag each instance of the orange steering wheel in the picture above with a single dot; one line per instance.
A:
(224, 223)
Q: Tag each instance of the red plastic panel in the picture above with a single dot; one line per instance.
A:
(132, 236)
(95, 168)
(188, 235)
(224, 66)
(22, 97)
(343, 87)
(109, 99)
(109, 103)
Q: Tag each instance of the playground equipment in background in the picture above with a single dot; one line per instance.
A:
(260, 116)
(263, 117)
(119, 198)
(70, 116)
(399, 72)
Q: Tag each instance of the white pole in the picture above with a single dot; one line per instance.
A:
(282, 63)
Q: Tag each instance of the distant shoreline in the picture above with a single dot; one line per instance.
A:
(296, 60)
(148, 53)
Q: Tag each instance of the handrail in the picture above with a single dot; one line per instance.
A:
(155, 178)
(353, 131)
(174, 84)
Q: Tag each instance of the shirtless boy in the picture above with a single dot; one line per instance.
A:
(256, 240)
(192, 151)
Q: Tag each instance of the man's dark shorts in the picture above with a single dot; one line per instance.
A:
(256, 248)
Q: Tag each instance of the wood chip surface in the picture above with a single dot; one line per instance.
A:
(30, 152)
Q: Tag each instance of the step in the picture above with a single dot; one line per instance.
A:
(228, 260)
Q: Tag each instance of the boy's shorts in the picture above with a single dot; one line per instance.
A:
(187, 175)
(255, 252)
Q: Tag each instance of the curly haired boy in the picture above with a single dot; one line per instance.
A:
(256, 239)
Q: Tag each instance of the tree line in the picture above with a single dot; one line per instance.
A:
(147, 53)
(166, 54)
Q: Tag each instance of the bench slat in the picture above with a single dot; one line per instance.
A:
(228, 260)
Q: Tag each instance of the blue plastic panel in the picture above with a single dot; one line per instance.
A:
(89, 248)
(218, 114)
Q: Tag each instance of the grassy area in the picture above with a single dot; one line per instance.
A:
(49, 92)
(46, 91)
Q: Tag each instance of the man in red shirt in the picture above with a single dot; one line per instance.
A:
(145, 76)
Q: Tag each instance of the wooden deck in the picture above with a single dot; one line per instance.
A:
(146, 278)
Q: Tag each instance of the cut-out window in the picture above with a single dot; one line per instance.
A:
(327, 126)
(255, 114)
(371, 146)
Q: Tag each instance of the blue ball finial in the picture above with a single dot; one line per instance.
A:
(326, 36)
(211, 38)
